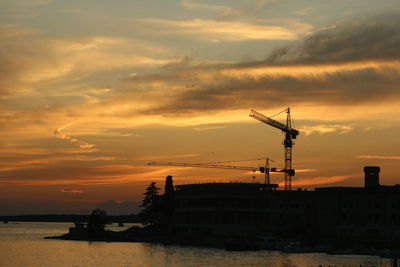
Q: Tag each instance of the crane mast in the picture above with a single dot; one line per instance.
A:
(290, 134)
(267, 179)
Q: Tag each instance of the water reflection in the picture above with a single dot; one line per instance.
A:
(22, 244)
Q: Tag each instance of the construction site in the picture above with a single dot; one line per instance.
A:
(368, 214)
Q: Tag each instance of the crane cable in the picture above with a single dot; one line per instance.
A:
(278, 113)
(291, 119)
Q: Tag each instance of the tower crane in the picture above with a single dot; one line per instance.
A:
(265, 169)
(267, 160)
(290, 134)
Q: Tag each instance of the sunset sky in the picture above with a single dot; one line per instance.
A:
(91, 91)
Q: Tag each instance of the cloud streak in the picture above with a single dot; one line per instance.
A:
(189, 4)
(83, 175)
(378, 157)
(72, 191)
(319, 180)
(227, 31)
(82, 144)
(22, 163)
(227, 11)
(325, 128)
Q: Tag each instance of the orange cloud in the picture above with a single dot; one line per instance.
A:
(35, 163)
(326, 128)
(217, 31)
(310, 71)
(378, 157)
(319, 180)
(157, 157)
(82, 144)
(305, 170)
(72, 191)
(208, 128)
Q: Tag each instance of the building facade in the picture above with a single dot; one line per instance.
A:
(354, 214)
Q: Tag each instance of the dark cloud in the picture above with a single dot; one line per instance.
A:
(355, 43)
(357, 87)
(375, 37)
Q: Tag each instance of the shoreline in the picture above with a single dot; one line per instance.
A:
(156, 234)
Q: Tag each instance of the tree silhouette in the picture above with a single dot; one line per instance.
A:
(96, 224)
(98, 219)
(150, 203)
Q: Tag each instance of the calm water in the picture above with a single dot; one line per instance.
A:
(22, 244)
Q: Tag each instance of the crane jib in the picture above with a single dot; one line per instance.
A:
(258, 116)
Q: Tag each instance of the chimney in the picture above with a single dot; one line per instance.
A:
(371, 176)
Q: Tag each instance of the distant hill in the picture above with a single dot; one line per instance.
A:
(133, 218)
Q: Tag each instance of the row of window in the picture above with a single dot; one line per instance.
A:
(370, 218)
(369, 205)
(256, 218)
(234, 203)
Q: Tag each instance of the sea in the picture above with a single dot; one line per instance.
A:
(23, 244)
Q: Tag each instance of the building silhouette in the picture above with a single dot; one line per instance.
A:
(369, 214)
